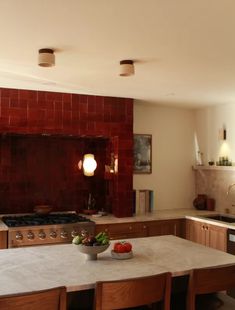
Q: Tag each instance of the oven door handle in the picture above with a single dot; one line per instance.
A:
(231, 238)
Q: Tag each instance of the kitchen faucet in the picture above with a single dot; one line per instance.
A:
(229, 188)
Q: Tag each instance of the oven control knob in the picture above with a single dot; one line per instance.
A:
(53, 234)
(30, 235)
(42, 235)
(19, 236)
(74, 233)
(64, 234)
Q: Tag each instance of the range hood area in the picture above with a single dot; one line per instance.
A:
(45, 134)
(43, 170)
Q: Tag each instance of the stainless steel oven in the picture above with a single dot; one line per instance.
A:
(231, 241)
(231, 250)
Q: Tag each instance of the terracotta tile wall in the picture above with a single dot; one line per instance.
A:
(37, 112)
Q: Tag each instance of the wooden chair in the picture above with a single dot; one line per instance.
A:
(204, 281)
(134, 292)
(51, 299)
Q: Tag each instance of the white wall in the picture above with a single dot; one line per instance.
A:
(215, 183)
(208, 123)
(172, 178)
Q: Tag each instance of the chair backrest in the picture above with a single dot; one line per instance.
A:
(209, 280)
(133, 292)
(51, 299)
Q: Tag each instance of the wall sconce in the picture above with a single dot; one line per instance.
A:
(223, 133)
(88, 164)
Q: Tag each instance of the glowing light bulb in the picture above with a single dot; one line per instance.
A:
(89, 165)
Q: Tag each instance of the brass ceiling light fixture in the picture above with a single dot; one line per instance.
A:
(46, 57)
(127, 68)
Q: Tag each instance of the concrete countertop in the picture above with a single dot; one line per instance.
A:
(36, 268)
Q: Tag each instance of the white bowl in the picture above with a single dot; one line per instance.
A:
(92, 251)
(121, 255)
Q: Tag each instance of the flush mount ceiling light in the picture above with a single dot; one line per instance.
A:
(46, 57)
(127, 68)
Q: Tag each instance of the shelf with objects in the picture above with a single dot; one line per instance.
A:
(214, 167)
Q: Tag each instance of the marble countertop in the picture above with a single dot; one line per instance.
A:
(155, 215)
(35, 268)
(3, 227)
(200, 218)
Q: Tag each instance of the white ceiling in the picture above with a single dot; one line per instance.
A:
(184, 50)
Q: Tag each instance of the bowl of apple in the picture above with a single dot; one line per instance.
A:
(91, 245)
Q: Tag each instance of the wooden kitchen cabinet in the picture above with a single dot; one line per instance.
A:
(123, 230)
(143, 229)
(207, 234)
(3, 239)
(166, 227)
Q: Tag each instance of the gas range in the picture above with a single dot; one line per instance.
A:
(53, 228)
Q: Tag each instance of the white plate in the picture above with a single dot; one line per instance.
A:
(121, 255)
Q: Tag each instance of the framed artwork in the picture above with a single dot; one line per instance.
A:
(142, 154)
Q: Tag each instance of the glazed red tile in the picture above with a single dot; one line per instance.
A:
(58, 105)
(4, 123)
(67, 105)
(50, 104)
(98, 122)
(28, 95)
(53, 96)
(83, 98)
(41, 95)
(66, 97)
(32, 104)
(5, 102)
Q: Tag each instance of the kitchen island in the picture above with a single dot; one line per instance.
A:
(42, 267)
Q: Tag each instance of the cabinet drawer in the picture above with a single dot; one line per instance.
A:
(124, 230)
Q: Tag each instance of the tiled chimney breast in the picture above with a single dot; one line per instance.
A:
(39, 112)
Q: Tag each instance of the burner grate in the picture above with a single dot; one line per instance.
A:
(49, 219)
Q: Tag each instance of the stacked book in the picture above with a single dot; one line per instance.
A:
(143, 201)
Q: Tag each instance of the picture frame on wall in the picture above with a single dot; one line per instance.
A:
(142, 154)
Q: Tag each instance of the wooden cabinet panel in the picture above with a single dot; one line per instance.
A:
(196, 231)
(123, 230)
(207, 234)
(165, 227)
(144, 229)
(218, 238)
(3, 239)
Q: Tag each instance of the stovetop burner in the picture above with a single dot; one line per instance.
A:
(49, 219)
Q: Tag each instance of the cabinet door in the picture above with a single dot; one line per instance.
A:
(206, 234)
(164, 227)
(3, 239)
(217, 238)
(195, 231)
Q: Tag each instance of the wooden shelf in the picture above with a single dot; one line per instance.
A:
(224, 168)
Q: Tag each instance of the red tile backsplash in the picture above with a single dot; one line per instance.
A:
(22, 180)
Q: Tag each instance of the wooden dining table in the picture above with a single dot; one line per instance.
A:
(41, 267)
